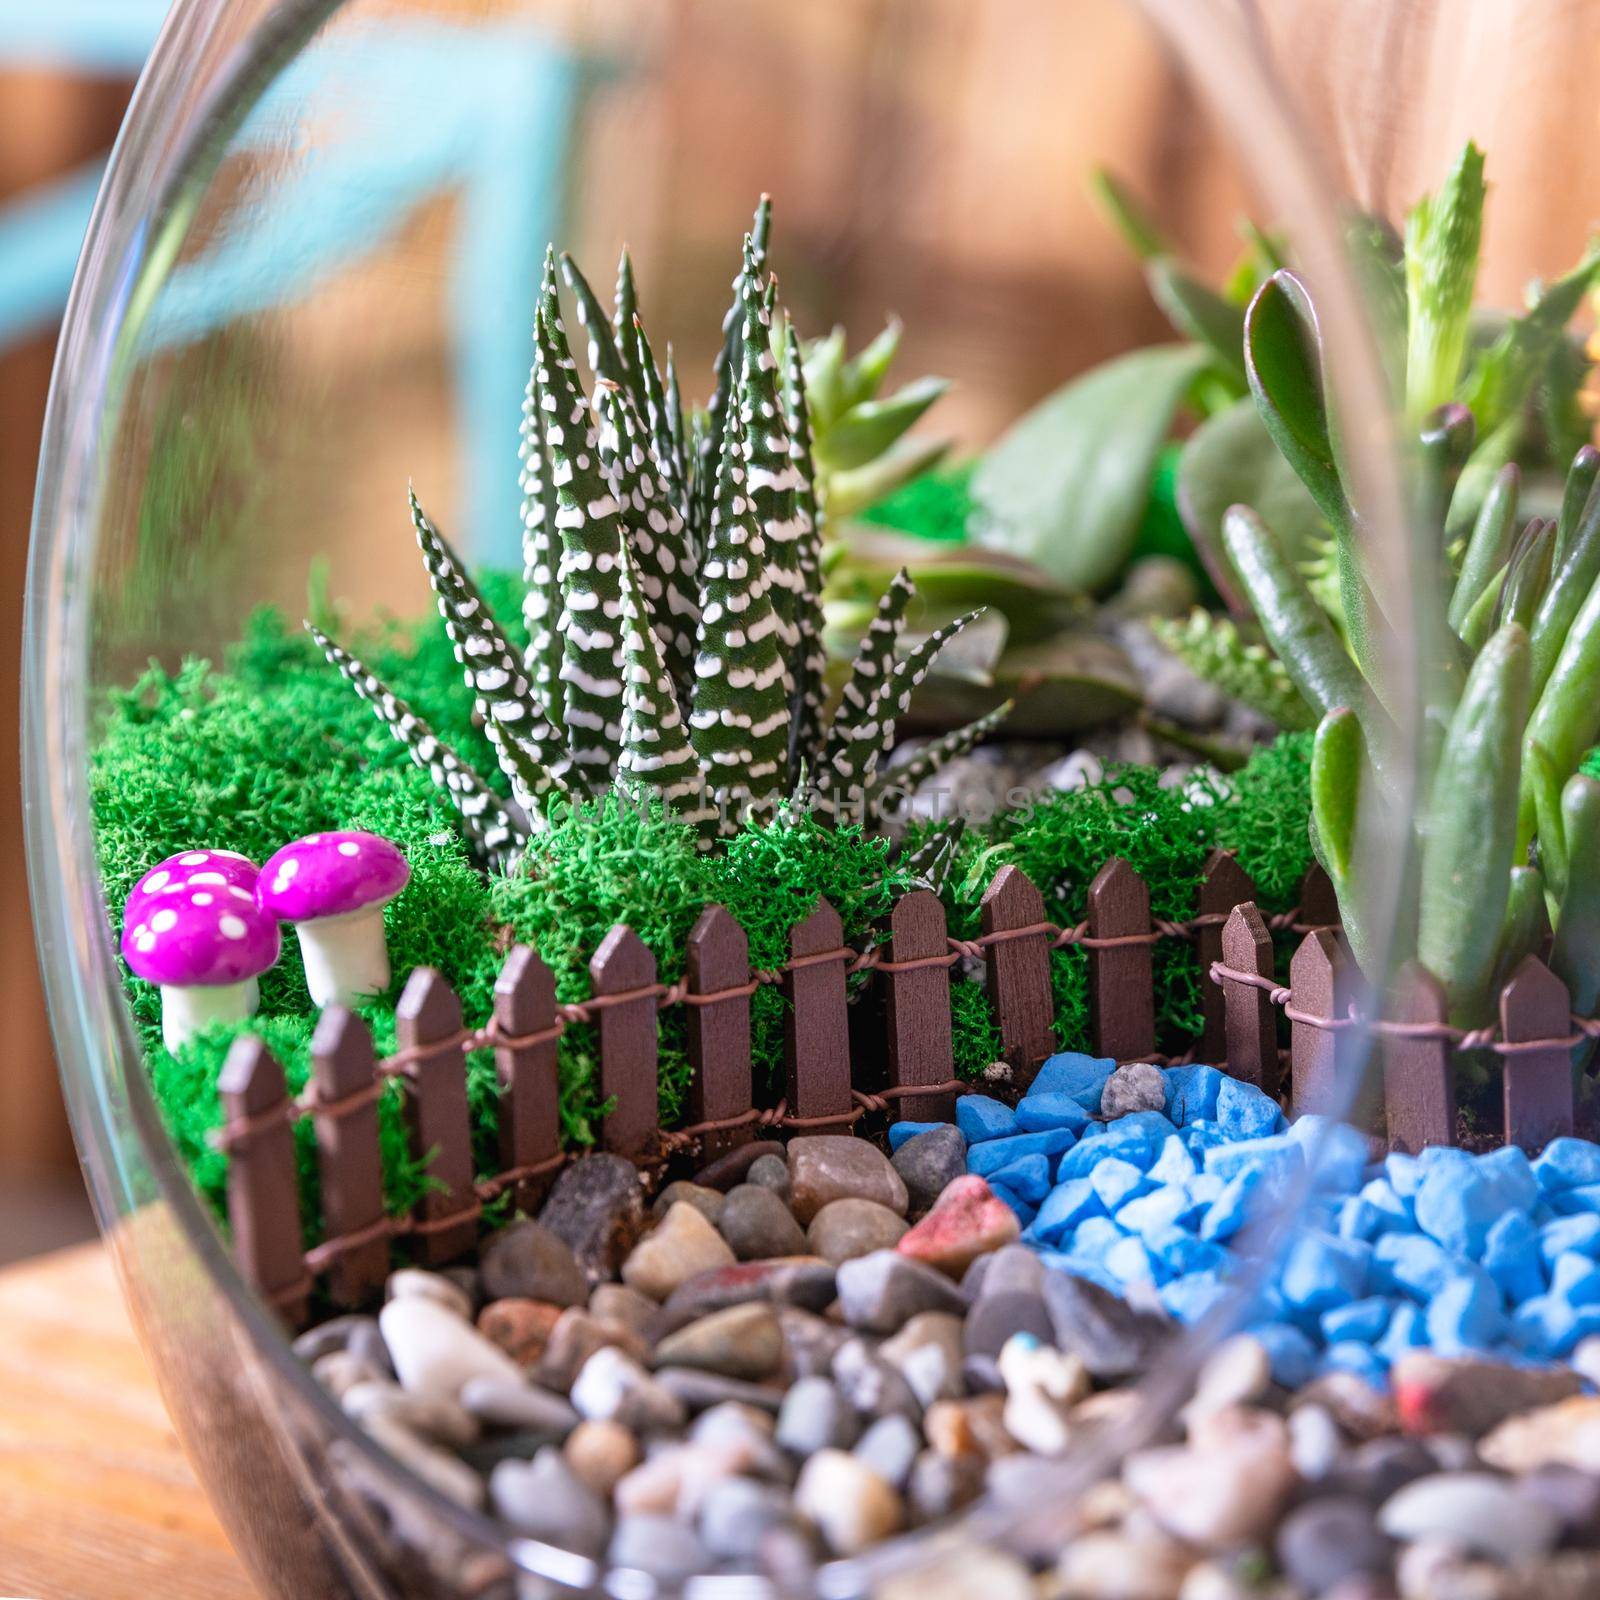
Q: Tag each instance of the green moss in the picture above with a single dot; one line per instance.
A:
(934, 505)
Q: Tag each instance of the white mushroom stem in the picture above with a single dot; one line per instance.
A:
(346, 959)
(187, 1008)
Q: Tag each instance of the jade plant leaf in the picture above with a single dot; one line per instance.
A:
(866, 430)
(1230, 459)
(1068, 485)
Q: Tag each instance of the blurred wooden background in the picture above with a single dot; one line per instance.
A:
(931, 160)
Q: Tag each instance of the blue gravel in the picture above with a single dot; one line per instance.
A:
(1491, 1255)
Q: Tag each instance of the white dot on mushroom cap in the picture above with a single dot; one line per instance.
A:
(231, 927)
(206, 877)
(156, 882)
(144, 940)
(349, 848)
(202, 898)
(163, 920)
(288, 869)
(193, 859)
(280, 883)
(241, 894)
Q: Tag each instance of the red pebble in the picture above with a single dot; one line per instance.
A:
(967, 1221)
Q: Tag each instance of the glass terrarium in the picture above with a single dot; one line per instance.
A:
(318, 274)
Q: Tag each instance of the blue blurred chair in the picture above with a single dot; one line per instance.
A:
(389, 138)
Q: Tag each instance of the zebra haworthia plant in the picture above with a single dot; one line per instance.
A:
(673, 604)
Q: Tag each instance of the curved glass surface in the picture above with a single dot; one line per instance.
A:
(315, 252)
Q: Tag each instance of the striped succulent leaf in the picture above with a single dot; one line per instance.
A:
(656, 753)
(654, 536)
(874, 659)
(590, 523)
(624, 325)
(662, 425)
(739, 723)
(530, 751)
(930, 863)
(541, 549)
(808, 699)
(601, 352)
(909, 775)
(771, 477)
(491, 829)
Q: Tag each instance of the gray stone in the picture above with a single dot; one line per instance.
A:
(738, 1514)
(597, 1208)
(545, 1499)
(616, 1302)
(890, 1447)
(1136, 1087)
(981, 1374)
(941, 1485)
(1573, 1495)
(758, 1225)
(870, 1384)
(845, 1229)
(881, 1292)
(526, 1261)
(330, 1336)
(734, 1166)
(804, 1281)
(614, 1388)
(700, 1390)
(443, 1469)
(771, 1172)
(927, 1354)
(660, 1546)
(809, 1341)
(838, 1166)
(1100, 1328)
(741, 1342)
(523, 1406)
(928, 1161)
(442, 1421)
(707, 1201)
(1013, 1266)
(1331, 1539)
(816, 1416)
(996, 1317)
(1381, 1467)
(747, 1435)
(1476, 1512)
(342, 1370)
(493, 1448)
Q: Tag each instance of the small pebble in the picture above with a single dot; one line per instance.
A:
(708, 1202)
(815, 1416)
(848, 1503)
(682, 1245)
(601, 1454)
(845, 1229)
(660, 1546)
(527, 1261)
(928, 1163)
(1111, 1566)
(889, 1447)
(523, 1406)
(627, 1308)
(828, 1167)
(881, 1292)
(441, 1469)
(435, 1352)
(737, 1515)
(441, 1421)
(771, 1171)
(1137, 1087)
(414, 1282)
(575, 1337)
(545, 1499)
(1473, 1511)
(927, 1353)
(741, 1342)
(521, 1328)
(758, 1225)
(614, 1388)
(941, 1485)
(596, 1207)
(968, 1220)
(1329, 1540)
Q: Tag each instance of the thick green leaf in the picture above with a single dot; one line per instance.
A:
(853, 491)
(864, 373)
(865, 431)
(1337, 758)
(1443, 234)
(1068, 485)
(1200, 313)
(1283, 355)
(1231, 460)
(1128, 214)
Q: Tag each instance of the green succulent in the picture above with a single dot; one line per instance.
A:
(674, 583)
(1505, 823)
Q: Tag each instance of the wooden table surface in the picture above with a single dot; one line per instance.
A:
(96, 1499)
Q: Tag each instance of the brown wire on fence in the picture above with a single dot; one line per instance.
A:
(909, 1068)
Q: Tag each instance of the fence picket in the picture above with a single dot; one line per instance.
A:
(1537, 1084)
(920, 1049)
(816, 1032)
(428, 1029)
(349, 1163)
(628, 1045)
(530, 1089)
(717, 959)
(1321, 1057)
(263, 1194)
(1017, 972)
(1122, 1012)
(1319, 903)
(1250, 1022)
(1224, 884)
(1419, 1073)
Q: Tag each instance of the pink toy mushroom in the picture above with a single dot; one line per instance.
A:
(333, 888)
(204, 945)
(210, 869)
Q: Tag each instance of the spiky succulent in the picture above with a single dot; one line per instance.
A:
(674, 578)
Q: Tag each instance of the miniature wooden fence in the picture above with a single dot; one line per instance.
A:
(908, 1072)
